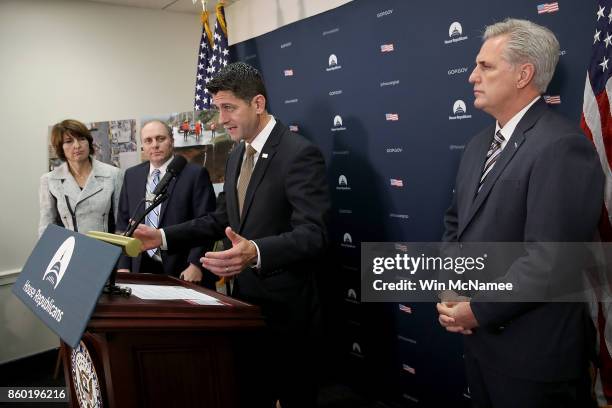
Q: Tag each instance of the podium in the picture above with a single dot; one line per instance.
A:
(162, 353)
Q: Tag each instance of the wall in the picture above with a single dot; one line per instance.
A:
(249, 18)
(81, 60)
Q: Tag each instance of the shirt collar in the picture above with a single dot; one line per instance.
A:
(262, 137)
(508, 129)
(162, 168)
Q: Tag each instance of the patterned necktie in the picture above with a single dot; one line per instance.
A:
(246, 170)
(492, 155)
(152, 218)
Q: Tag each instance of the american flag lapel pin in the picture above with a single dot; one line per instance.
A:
(264, 155)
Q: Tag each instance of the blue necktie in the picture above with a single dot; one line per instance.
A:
(152, 218)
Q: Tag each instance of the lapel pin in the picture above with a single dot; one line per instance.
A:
(515, 145)
(264, 155)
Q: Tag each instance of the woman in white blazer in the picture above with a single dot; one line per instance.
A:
(82, 194)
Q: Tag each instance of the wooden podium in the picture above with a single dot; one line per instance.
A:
(161, 353)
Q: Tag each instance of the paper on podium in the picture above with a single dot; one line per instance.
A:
(164, 292)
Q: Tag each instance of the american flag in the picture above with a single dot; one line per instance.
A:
(294, 128)
(220, 53)
(405, 309)
(288, 72)
(596, 121)
(401, 247)
(552, 99)
(548, 8)
(396, 182)
(391, 116)
(386, 48)
(406, 367)
(202, 97)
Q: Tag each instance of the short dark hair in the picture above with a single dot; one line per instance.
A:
(73, 128)
(241, 79)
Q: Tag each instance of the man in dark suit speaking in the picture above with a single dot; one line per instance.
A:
(190, 195)
(531, 177)
(273, 214)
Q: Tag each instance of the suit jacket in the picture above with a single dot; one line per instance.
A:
(285, 213)
(546, 186)
(190, 195)
(95, 207)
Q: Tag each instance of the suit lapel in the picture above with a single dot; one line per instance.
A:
(92, 186)
(165, 203)
(506, 156)
(69, 186)
(265, 157)
(231, 197)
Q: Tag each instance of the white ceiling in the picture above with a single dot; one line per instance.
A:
(181, 6)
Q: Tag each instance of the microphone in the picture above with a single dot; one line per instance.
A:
(174, 169)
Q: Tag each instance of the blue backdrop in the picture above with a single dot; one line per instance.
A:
(382, 87)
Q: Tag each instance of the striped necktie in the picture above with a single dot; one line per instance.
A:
(152, 218)
(492, 155)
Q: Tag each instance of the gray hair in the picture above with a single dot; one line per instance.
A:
(161, 122)
(531, 43)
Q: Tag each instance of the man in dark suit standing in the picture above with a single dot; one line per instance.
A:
(190, 195)
(532, 177)
(273, 214)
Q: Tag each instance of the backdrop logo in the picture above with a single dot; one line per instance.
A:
(548, 8)
(386, 48)
(332, 63)
(344, 211)
(337, 124)
(395, 150)
(288, 72)
(405, 309)
(340, 152)
(456, 71)
(336, 92)
(456, 147)
(459, 111)
(396, 182)
(351, 294)
(342, 183)
(356, 349)
(552, 99)
(390, 83)
(332, 31)
(347, 241)
(384, 13)
(391, 116)
(400, 216)
(294, 100)
(455, 32)
(57, 267)
(285, 45)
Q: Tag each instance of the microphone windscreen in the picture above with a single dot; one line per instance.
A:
(177, 165)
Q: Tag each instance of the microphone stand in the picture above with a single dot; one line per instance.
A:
(111, 287)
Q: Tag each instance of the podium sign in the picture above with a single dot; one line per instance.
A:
(63, 278)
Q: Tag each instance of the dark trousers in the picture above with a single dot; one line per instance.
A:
(492, 389)
(148, 265)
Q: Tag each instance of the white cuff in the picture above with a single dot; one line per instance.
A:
(258, 264)
(164, 245)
